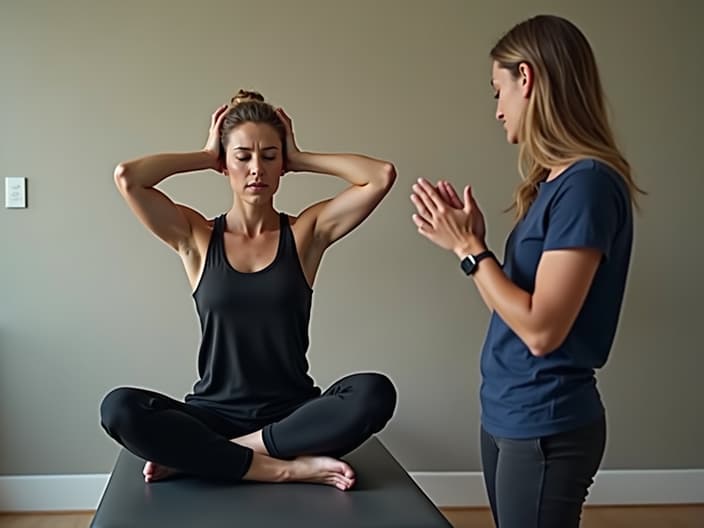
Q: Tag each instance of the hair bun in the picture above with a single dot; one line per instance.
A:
(246, 96)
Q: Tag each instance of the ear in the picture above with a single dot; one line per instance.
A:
(525, 72)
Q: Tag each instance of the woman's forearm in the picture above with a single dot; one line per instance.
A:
(150, 170)
(353, 168)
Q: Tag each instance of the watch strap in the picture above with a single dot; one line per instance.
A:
(470, 262)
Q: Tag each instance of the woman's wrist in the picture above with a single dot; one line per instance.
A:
(469, 246)
(296, 161)
(210, 159)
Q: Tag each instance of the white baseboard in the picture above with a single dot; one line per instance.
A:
(51, 492)
(611, 487)
(445, 489)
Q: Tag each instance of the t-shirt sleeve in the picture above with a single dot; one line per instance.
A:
(585, 213)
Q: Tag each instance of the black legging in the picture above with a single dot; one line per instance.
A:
(197, 441)
(541, 482)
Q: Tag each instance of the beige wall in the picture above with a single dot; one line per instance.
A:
(90, 300)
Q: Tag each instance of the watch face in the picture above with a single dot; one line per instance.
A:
(468, 265)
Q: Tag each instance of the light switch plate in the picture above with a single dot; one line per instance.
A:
(15, 193)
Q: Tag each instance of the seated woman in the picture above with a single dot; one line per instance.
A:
(255, 413)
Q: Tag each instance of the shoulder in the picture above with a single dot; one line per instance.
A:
(588, 206)
(587, 183)
(589, 175)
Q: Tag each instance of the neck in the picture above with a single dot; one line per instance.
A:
(252, 219)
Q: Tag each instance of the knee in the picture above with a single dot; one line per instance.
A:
(119, 409)
(381, 395)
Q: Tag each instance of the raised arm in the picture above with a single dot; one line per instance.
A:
(370, 180)
(136, 179)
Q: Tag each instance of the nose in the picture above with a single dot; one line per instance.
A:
(255, 166)
(499, 114)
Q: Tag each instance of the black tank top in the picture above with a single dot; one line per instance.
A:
(252, 360)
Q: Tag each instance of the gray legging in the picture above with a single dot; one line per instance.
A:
(541, 482)
(196, 441)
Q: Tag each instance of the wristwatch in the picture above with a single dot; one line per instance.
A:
(470, 263)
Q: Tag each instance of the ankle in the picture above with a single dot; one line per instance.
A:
(281, 470)
(288, 471)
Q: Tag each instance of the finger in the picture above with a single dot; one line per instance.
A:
(285, 119)
(425, 199)
(442, 192)
(222, 114)
(452, 193)
(425, 230)
(430, 191)
(468, 199)
(219, 111)
(216, 123)
(447, 196)
(421, 223)
(426, 221)
(420, 207)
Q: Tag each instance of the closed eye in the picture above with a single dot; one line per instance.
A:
(247, 158)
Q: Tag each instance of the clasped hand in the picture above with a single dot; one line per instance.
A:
(446, 220)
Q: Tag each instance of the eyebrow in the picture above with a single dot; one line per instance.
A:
(250, 149)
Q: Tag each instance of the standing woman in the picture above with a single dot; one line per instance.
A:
(555, 301)
(254, 413)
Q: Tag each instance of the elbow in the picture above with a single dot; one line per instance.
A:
(123, 177)
(538, 350)
(541, 344)
(388, 176)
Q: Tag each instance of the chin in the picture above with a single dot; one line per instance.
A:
(258, 200)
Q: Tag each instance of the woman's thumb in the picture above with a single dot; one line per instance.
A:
(467, 197)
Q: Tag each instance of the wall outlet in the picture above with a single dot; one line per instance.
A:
(15, 193)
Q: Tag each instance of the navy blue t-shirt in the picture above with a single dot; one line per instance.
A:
(524, 396)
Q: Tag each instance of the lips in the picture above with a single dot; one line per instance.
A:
(257, 185)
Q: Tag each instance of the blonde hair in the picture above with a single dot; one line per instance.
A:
(566, 118)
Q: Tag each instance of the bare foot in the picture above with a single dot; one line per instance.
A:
(153, 472)
(323, 470)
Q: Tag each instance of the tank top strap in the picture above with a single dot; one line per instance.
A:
(288, 244)
(289, 253)
(216, 247)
